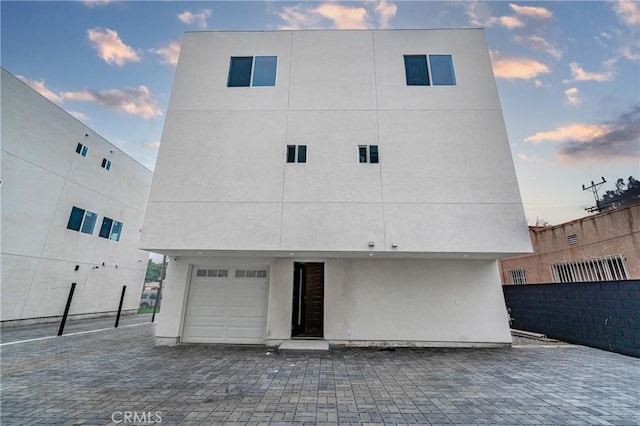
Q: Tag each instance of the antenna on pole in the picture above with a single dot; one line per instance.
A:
(594, 189)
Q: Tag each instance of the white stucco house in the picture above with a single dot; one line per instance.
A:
(351, 186)
(72, 209)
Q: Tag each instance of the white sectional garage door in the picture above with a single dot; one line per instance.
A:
(226, 305)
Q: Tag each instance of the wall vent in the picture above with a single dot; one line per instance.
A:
(572, 239)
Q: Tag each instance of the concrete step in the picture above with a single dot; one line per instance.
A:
(304, 346)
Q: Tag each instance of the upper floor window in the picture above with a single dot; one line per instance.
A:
(82, 149)
(106, 164)
(368, 154)
(110, 229)
(82, 220)
(437, 71)
(296, 153)
(245, 71)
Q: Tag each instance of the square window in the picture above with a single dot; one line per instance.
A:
(212, 272)
(262, 274)
(251, 273)
(442, 70)
(240, 273)
(240, 71)
(415, 67)
(110, 229)
(368, 154)
(201, 273)
(264, 72)
(82, 149)
(296, 153)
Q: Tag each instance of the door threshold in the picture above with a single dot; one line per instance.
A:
(306, 338)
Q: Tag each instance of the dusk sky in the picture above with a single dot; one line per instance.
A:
(568, 73)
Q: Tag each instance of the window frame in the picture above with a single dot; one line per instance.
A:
(82, 224)
(82, 149)
(370, 152)
(428, 79)
(296, 154)
(256, 62)
(109, 234)
(106, 164)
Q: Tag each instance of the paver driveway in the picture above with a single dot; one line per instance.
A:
(96, 378)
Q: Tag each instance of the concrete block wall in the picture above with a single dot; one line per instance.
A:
(604, 315)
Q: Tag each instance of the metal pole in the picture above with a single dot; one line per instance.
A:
(124, 288)
(163, 272)
(66, 309)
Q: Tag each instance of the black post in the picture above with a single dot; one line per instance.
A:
(124, 288)
(66, 309)
(163, 272)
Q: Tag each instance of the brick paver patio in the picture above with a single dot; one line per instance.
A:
(96, 378)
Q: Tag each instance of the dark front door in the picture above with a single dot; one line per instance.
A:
(308, 300)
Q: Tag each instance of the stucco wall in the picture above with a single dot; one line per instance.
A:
(445, 182)
(615, 232)
(442, 302)
(42, 179)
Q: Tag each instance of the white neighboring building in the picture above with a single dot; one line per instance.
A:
(72, 209)
(354, 186)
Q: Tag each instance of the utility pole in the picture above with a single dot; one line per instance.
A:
(594, 189)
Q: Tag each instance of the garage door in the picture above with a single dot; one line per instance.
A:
(226, 305)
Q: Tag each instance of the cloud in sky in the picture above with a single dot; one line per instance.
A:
(169, 53)
(198, 18)
(628, 11)
(575, 131)
(40, 87)
(344, 16)
(536, 42)
(386, 11)
(92, 3)
(516, 68)
(617, 139)
(336, 15)
(132, 100)
(531, 11)
(620, 140)
(79, 115)
(480, 16)
(579, 74)
(153, 145)
(572, 95)
(110, 47)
